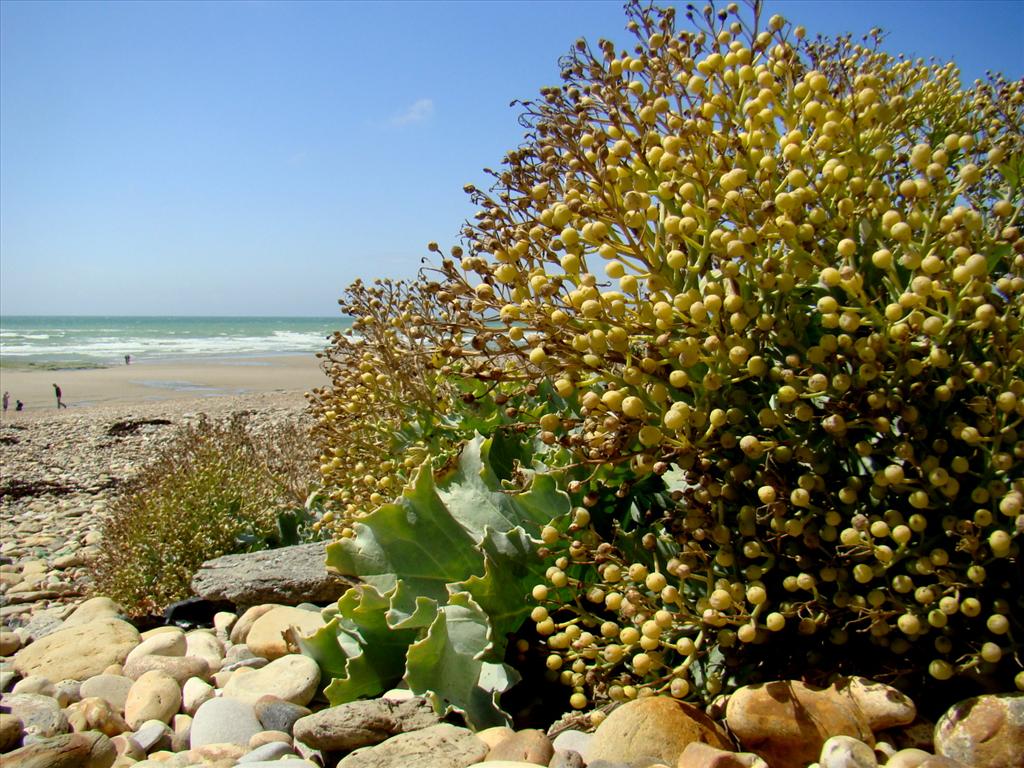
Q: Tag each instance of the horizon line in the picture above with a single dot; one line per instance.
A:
(89, 314)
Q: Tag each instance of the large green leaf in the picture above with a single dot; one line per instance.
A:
(447, 568)
(543, 502)
(502, 454)
(414, 538)
(323, 647)
(479, 504)
(409, 609)
(511, 568)
(448, 665)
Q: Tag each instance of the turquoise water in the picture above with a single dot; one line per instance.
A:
(106, 340)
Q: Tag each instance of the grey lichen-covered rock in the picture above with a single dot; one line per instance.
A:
(42, 623)
(286, 576)
(40, 715)
(439, 746)
(364, 723)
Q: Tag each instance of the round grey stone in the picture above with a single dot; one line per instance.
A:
(279, 715)
(222, 720)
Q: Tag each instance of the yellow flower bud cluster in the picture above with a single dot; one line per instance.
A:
(761, 299)
(779, 285)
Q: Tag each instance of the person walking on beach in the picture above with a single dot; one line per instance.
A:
(7, 400)
(59, 394)
(127, 359)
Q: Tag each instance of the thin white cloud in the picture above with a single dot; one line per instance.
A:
(417, 112)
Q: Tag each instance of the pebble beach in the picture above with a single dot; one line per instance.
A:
(83, 686)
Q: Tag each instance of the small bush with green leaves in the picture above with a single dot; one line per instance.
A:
(213, 490)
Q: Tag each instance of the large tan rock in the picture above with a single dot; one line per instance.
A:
(92, 609)
(293, 678)
(11, 729)
(269, 636)
(655, 729)
(240, 628)
(154, 696)
(847, 752)
(984, 732)
(78, 652)
(10, 643)
(194, 693)
(203, 644)
(787, 722)
(161, 644)
(526, 746)
(881, 705)
(494, 735)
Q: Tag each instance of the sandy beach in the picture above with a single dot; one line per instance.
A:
(59, 468)
(146, 382)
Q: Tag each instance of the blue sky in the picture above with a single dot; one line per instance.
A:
(256, 157)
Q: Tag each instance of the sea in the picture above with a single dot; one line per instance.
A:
(101, 341)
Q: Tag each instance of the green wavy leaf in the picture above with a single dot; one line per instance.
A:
(448, 665)
(358, 648)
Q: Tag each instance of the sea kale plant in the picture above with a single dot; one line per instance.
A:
(755, 300)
